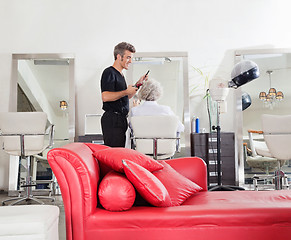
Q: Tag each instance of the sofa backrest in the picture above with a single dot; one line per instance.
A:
(77, 173)
(193, 168)
(103, 168)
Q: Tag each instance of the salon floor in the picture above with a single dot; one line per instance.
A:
(265, 185)
(59, 203)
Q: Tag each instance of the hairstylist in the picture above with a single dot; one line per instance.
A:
(116, 95)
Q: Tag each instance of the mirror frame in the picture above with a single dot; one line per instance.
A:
(47, 56)
(186, 112)
(238, 118)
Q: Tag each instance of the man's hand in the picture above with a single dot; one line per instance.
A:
(142, 78)
(131, 91)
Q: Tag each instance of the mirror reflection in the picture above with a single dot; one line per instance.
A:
(44, 83)
(275, 72)
(169, 71)
(270, 94)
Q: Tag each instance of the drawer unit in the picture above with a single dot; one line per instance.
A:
(204, 145)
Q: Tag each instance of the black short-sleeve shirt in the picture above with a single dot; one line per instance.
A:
(113, 81)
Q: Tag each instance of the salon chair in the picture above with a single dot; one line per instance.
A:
(277, 134)
(156, 135)
(23, 134)
(260, 159)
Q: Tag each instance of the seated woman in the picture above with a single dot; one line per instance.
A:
(150, 92)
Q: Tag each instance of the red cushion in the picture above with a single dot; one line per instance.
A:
(149, 187)
(179, 187)
(112, 157)
(96, 147)
(115, 192)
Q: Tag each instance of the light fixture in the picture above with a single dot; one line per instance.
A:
(246, 100)
(272, 96)
(150, 61)
(51, 62)
(263, 96)
(279, 95)
(243, 72)
(63, 105)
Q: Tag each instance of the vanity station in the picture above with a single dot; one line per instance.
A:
(91, 138)
(15, 175)
(93, 132)
(39, 172)
(40, 82)
(171, 70)
(277, 61)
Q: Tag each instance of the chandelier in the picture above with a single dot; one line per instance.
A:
(272, 96)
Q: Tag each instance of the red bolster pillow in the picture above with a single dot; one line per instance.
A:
(115, 192)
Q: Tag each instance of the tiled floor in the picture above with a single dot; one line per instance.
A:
(58, 202)
(250, 172)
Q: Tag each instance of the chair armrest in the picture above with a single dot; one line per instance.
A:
(251, 140)
(178, 143)
(50, 131)
(255, 131)
(155, 143)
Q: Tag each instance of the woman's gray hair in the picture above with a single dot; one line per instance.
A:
(151, 90)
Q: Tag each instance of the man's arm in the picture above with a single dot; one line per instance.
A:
(108, 96)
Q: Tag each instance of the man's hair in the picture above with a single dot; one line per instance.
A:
(151, 90)
(121, 47)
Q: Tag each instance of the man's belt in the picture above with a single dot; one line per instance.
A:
(119, 113)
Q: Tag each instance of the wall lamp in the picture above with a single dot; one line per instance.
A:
(63, 105)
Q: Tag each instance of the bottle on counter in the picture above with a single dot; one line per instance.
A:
(193, 124)
(197, 125)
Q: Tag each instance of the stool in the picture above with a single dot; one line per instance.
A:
(29, 222)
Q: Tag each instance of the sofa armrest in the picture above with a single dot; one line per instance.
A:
(194, 168)
(77, 173)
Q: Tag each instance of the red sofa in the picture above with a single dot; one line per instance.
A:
(238, 215)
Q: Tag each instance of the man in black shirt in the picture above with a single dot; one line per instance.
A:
(116, 95)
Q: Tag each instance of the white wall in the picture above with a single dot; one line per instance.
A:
(208, 30)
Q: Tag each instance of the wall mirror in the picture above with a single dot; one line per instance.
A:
(275, 72)
(45, 82)
(171, 70)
